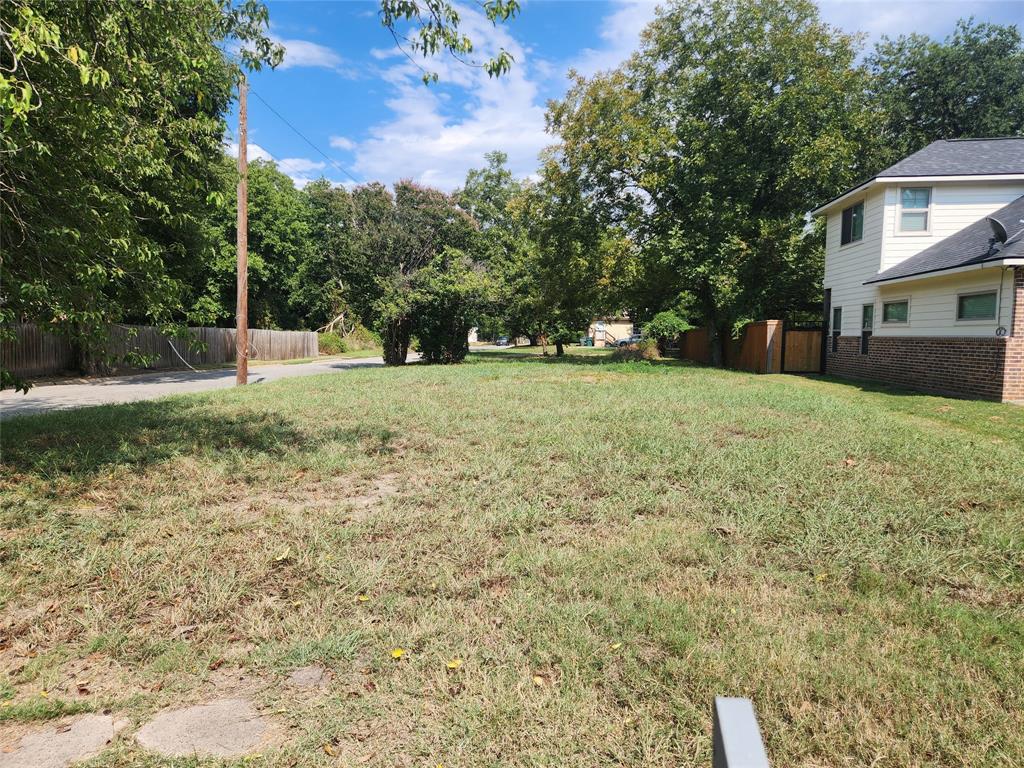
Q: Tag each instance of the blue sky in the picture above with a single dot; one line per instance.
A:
(347, 89)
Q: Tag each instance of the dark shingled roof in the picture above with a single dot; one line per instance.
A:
(963, 157)
(967, 247)
(956, 157)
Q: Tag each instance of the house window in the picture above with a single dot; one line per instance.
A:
(976, 306)
(853, 224)
(896, 312)
(867, 323)
(837, 327)
(915, 209)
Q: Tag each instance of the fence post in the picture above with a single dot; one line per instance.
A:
(736, 735)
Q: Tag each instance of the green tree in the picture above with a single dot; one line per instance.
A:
(279, 244)
(140, 92)
(970, 85)
(577, 255)
(731, 121)
(447, 297)
(495, 200)
(396, 236)
(124, 227)
(326, 268)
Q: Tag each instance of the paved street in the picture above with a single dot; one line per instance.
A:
(147, 386)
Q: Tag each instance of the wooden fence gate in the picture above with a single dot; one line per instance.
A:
(801, 347)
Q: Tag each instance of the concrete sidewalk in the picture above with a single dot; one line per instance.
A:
(148, 386)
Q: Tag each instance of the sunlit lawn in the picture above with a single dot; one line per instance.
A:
(604, 547)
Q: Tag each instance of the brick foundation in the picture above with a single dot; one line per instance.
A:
(963, 366)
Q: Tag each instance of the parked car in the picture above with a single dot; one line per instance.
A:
(502, 341)
(635, 338)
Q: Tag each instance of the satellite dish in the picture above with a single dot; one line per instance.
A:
(998, 230)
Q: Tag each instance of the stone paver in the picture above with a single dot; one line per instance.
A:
(59, 746)
(309, 677)
(226, 728)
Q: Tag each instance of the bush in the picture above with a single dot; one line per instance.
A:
(331, 343)
(446, 299)
(665, 326)
(362, 337)
(643, 350)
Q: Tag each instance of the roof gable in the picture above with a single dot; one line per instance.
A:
(968, 247)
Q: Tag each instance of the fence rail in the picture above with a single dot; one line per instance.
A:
(34, 352)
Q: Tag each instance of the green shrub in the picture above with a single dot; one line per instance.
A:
(446, 299)
(665, 326)
(331, 343)
(362, 337)
(643, 350)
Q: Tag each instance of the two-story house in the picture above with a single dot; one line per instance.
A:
(924, 272)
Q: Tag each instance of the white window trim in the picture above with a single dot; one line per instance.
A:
(864, 213)
(976, 320)
(895, 300)
(900, 232)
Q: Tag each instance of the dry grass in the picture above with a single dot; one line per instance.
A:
(604, 546)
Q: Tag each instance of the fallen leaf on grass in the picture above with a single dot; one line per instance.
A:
(615, 646)
(328, 749)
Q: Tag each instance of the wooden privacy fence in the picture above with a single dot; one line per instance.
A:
(758, 349)
(766, 346)
(34, 352)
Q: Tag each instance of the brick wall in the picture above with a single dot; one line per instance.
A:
(1013, 377)
(966, 366)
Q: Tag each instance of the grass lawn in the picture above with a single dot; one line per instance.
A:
(603, 547)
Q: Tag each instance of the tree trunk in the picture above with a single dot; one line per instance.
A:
(559, 349)
(396, 342)
(715, 335)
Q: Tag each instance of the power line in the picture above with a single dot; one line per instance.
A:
(302, 136)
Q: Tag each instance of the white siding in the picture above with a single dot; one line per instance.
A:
(933, 300)
(954, 206)
(847, 267)
(933, 303)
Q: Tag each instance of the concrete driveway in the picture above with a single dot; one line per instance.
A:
(147, 386)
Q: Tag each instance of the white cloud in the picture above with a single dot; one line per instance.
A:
(340, 142)
(305, 53)
(620, 32)
(298, 169)
(439, 132)
(877, 18)
(252, 151)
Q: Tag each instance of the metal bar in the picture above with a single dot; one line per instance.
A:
(736, 735)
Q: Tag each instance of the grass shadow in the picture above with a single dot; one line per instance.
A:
(571, 358)
(77, 444)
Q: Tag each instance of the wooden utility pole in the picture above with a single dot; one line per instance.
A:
(242, 301)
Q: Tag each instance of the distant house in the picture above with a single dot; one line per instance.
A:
(607, 331)
(924, 272)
